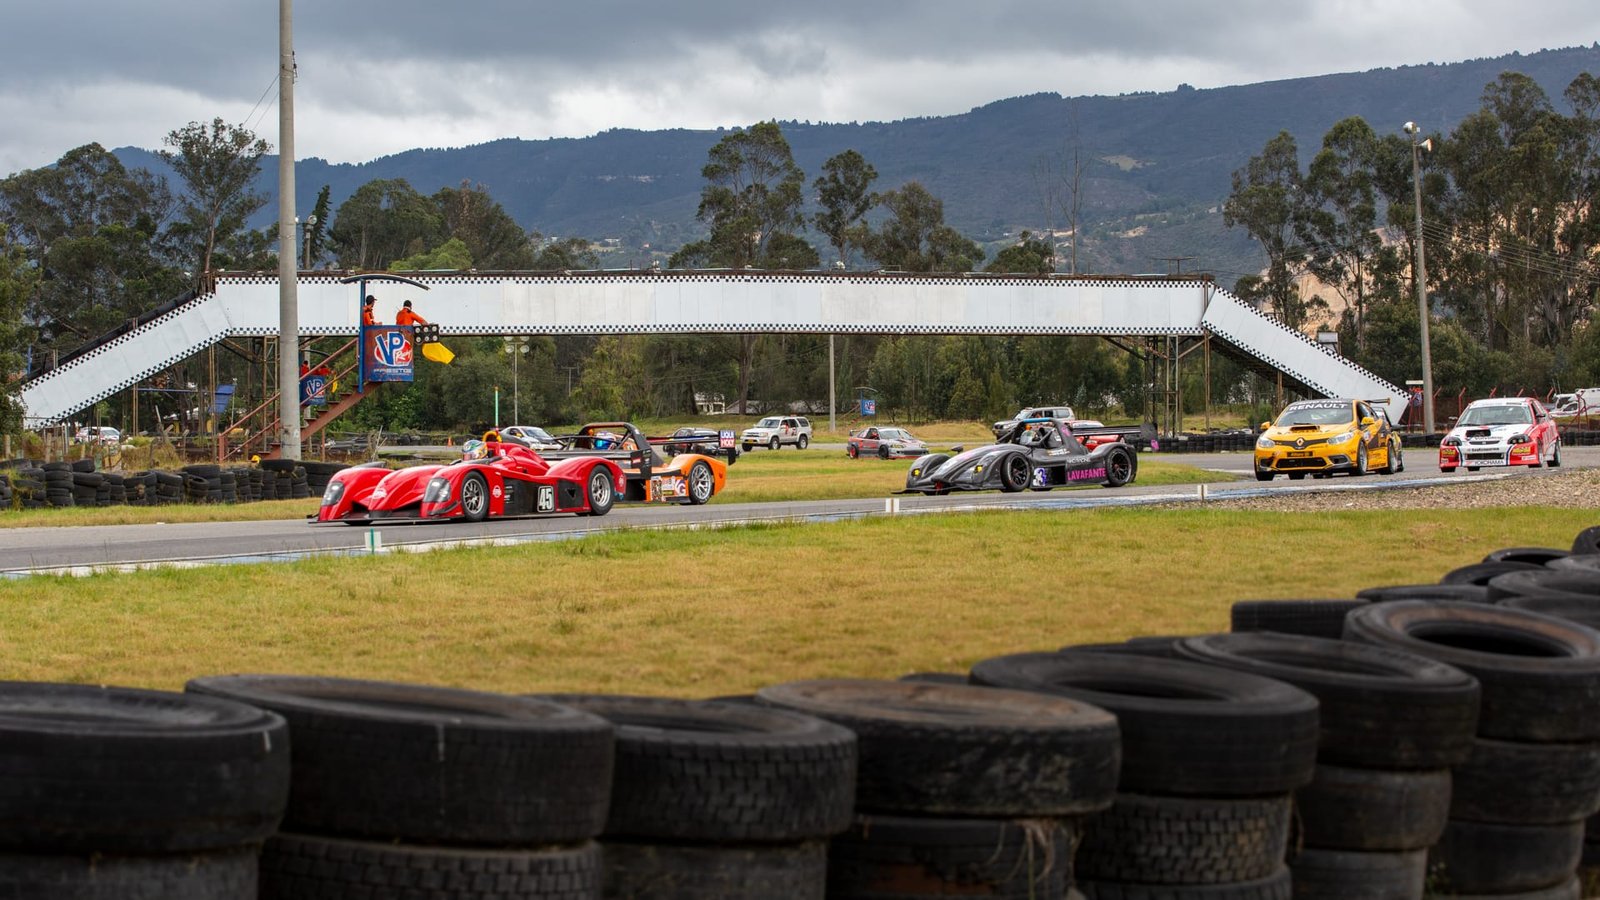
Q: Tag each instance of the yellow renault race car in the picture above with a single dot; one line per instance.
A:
(1321, 437)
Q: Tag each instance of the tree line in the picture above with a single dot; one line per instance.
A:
(1509, 224)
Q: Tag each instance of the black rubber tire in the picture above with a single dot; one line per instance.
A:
(1539, 556)
(1378, 707)
(1517, 783)
(430, 764)
(962, 750)
(219, 875)
(697, 771)
(474, 497)
(1540, 675)
(802, 442)
(1187, 729)
(900, 858)
(1276, 886)
(1185, 840)
(1583, 612)
(602, 491)
(702, 483)
(1263, 475)
(1015, 475)
(1121, 467)
(121, 770)
(933, 678)
(1588, 563)
(1321, 874)
(1313, 618)
(851, 451)
(1360, 468)
(773, 444)
(1484, 858)
(1587, 541)
(1161, 647)
(312, 867)
(1480, 573)
(1461, 593)
(641, 871)
(1372, 809)
(1546, 582)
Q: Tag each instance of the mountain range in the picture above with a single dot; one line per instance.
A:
(1155, 166)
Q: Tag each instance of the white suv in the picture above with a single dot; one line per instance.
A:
(1063, 413)
(775, 431)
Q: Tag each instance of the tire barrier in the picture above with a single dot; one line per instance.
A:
(974, 787)
(118, 792)
(1312, 618)
(38, 485)
(1209, 758)
(750, 791)
(1521, 798)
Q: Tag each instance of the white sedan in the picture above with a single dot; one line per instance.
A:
(532, 435)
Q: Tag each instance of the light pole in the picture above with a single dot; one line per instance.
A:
(311, 222)
(1422, 275)
(515, 347)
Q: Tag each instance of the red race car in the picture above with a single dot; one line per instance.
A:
(1507, 431)
(493, 479)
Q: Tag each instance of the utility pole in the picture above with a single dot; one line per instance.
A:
(1422, 276)
(288, 278)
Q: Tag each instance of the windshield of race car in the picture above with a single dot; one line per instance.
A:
(1496, 415)
(893, 434)
(1316, 414)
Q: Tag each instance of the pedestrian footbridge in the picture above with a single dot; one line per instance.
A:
(241, 305)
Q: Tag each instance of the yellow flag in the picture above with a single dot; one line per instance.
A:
(439, 353)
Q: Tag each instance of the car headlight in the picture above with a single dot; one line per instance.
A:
(1519, 439)
(1452, 442)
(331, 494)
(1265, 443)
(1342, 438)
(438, 491)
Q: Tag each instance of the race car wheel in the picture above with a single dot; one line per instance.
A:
(1119, 468)
(1447, 469)
(701, 484)
(746, 447)
(1014, 473)
(602, 493)
(1472, 468)
(883, 451)
(802, 443)
(474, 498)
(1361, 461)
(1399, 457)
(1555, 456)
(852, 451)
(1263, 475)
(1389, 459)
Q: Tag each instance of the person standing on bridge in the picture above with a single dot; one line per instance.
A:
(369, 313)
(408, 317)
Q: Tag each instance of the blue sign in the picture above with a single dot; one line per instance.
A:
(387, 353)
(313, 390)
(869, 407)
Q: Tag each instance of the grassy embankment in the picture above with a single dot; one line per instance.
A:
(702, 613)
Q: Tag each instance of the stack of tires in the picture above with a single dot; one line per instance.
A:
(961, 789)
(1210, 757)
(58, 484)
(135, 795)
(28, 488)
(1392, 724)
(1519, 801)
(86, 487)
(720, 800)
(414, 791)
(318, 474)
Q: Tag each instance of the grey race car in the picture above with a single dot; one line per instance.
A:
(1036, 454)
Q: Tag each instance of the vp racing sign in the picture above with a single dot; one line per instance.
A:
(388, 353)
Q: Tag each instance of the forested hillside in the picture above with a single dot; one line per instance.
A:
(1160, 162)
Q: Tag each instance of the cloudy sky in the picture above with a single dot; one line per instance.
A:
(383, 76)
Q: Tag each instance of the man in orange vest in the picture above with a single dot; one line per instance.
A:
(369, 314)
(406, 317)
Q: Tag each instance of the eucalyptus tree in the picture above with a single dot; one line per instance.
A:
(1268, 201)
(1339, 223)
(493, 238)
(217, 164)
(844, 191)
(384, 220)
(751, 202)
(915, 237)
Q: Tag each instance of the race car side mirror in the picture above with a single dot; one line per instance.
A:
(1368, 420)
(1265, 425)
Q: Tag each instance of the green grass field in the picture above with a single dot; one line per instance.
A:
(702, 613)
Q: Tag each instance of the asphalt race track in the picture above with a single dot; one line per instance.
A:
(97, 548)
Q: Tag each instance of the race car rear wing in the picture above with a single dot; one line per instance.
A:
(1130, 433)
(724, 443)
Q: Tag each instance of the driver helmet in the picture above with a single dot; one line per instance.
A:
(474, 449)
(606, 440)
